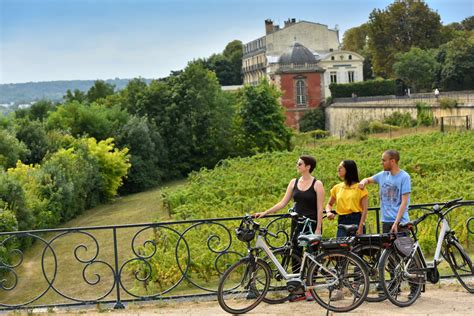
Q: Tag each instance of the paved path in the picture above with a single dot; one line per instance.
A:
(445, 300)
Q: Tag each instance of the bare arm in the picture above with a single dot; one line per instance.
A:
(281, 204)
(365, 207)
(401, 210)
(329, 206)
(319, 188)
(365, 181)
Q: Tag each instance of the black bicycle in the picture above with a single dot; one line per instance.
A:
(369, 247)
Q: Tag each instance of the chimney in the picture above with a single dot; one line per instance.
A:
(268, 26)
(290, 22)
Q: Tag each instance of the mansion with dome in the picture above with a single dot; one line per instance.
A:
(302, 59)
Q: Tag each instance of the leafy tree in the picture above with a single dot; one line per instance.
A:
(134, 96)
(233, 53)
(416, 67)
(355, 39)
(77, 95)
(193, 122)
(113, 164)
(37, 111)
(468, 23)
(457, 64)
(33, 135)
(11, 149)
(312, 120)
(227, 65)
(31, 179)
(99, 90)
(96, 120)
(148, 156)
(12, 197)
(260, 120)
(404, 24)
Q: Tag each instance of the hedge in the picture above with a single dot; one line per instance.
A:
(363, 88)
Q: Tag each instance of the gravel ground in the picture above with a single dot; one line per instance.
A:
(446, 299)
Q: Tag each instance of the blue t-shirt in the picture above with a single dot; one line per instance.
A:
(391, 190)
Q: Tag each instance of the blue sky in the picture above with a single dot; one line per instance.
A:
(43, 40)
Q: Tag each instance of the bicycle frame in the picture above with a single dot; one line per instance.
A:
(445, 229)
(261, 244)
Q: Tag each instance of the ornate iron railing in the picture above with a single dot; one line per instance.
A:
(124, 263)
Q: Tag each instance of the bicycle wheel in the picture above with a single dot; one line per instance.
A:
(338, 271)
(243, 286)
(402, 278)
(461, 264)
(371, 254)
(277, 292)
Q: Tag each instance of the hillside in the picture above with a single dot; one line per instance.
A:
(19, 93)
(441, 167)
(142, 207)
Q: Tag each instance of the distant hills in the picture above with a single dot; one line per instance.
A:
(23, 93)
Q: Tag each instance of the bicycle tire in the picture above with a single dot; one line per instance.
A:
(277, 291)
(352, 280)
(461, 264)
(371, 254)
(400, 289)
(244, 273)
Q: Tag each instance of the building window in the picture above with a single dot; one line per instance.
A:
(350, 75)
(300, 92)
(333, 77)
(350, 57)
(332, 57)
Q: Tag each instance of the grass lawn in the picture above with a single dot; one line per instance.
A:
(143, 207)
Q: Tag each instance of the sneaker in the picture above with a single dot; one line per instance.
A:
(297, 298)
(309, 297)
(337, 295)
(379, 288)
(251, 295)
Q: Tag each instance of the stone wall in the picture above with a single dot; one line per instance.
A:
(344, 116)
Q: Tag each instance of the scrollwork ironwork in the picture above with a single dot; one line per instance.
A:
(155, 260)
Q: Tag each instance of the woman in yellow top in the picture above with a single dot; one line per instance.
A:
(351, 202)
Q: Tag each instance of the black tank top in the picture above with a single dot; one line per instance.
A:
(305, 201)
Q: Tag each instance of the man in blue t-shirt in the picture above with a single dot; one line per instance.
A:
(395, 188)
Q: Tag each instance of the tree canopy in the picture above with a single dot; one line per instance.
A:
(404, 24)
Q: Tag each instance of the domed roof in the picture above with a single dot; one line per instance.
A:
(298, 55)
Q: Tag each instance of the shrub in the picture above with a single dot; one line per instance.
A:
(365, 88)
(318, 134)
(424, 114)
(400, 119)
(312, 120)
(371, 127)
(448, 103)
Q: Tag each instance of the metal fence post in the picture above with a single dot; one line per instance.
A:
(118, 304)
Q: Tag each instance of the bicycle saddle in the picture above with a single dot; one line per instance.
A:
(350, 229)
(309, 238)
(407, 224)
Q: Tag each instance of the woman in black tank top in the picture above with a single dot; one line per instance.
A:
(308, 194)
(306, 191)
